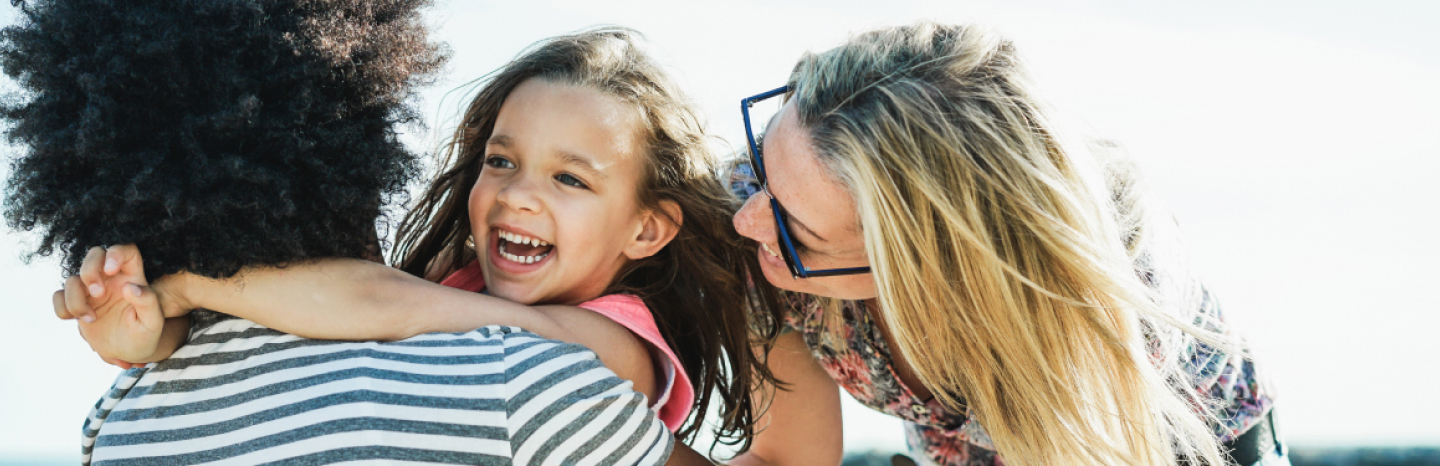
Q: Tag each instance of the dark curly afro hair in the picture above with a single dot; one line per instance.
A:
(214, 134)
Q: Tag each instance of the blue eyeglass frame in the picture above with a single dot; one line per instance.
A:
(787, 240)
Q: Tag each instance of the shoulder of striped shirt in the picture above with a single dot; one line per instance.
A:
(562, 399)
(559, 398)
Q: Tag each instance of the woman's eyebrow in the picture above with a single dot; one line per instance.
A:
(806, 229)
(499, 140)
(796, 224)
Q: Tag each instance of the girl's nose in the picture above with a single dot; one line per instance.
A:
(754, 219)
(520, 195)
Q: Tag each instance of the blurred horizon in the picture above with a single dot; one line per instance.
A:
(1296, 143)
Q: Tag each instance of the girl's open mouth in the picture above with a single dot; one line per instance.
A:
(519, 250)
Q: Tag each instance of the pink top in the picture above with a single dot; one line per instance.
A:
(676, 394)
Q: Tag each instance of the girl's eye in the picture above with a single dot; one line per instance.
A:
(570, 180)
(496, 161)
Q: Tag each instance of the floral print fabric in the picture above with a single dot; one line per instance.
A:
(862, 365)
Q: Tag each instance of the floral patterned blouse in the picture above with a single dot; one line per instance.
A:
(862, 364)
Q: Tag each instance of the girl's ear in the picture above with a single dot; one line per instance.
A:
(657, 228)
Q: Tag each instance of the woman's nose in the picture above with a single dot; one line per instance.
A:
(754, 220)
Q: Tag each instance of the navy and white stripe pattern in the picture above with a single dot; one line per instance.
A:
(240, 393)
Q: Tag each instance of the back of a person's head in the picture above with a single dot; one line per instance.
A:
(214, 134)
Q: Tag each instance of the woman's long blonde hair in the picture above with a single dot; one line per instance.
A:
(1012, 276)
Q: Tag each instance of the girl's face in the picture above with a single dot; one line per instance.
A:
(823, 216)
(555, 206)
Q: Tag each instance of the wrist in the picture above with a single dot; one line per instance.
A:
(178, 294)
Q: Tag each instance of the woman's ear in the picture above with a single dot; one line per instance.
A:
(657, 228)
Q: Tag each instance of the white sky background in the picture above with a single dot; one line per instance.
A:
(1296, 142)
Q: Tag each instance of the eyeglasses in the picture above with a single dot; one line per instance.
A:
(787, 240)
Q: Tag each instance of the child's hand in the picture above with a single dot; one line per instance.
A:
(120, 315)
(130, 331)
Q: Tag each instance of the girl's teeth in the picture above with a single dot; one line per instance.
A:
(521, 239)
(767, 249)
(522, 259)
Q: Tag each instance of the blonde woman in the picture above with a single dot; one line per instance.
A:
(956, 264)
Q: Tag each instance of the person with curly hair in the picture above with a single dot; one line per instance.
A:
(221, 135)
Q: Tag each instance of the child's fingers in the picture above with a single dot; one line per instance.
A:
(90, 271)
(77, 300)
(58, 299)
(145, 308)
(125, 258)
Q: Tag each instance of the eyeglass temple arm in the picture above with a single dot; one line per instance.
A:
(745, 111)
(746, 102)
(832, 272)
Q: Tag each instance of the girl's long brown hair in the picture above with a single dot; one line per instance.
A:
(697, 287)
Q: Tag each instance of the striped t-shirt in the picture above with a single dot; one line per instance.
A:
(240, 393)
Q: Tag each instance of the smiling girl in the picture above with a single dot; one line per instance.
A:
(577, 201)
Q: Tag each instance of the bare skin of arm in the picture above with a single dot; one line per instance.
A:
(802, 424)
(354, 299)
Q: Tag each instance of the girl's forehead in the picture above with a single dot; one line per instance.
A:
(569, 119)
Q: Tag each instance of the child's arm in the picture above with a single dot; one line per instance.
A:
(353, 299)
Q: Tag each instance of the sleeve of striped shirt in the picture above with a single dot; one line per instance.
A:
(565, 408)
(123, 383)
